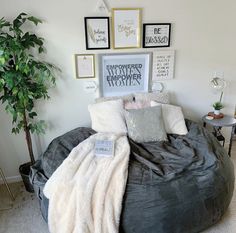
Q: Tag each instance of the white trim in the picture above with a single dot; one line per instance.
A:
(12, 179)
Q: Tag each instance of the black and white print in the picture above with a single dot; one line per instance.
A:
(97, 32)
(156, 35)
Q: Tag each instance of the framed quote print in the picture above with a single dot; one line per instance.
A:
(156, 35)
(97, 32)
(122, 74)
(84, 66)
(163, 65)
(126, 27)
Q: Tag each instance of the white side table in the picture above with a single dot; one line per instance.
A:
(226, 121)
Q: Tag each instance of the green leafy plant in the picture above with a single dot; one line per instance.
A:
(218, 105)
(23, 77)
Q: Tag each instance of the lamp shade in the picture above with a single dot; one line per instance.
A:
(218, 84)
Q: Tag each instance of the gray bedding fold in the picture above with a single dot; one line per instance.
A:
(183, 185)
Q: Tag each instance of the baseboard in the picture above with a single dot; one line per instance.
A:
(12, 179)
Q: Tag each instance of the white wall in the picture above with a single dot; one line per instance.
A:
(204, 36)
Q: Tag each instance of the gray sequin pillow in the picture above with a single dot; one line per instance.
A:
(146, 124)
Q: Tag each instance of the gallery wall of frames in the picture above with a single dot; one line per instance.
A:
(122, 73)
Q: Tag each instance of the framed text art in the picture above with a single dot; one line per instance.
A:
(97, 32)
(156, 35)
(163, 65)
(84, 66)
(122, 74)
(126, 26)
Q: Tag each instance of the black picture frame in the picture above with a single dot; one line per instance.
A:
(87, 31)
(154, 41)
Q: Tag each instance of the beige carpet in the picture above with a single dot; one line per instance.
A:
(25, 217)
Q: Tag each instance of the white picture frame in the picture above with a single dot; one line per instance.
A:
(124, 73)
(84, 66)
(163, 65)
(126, 28)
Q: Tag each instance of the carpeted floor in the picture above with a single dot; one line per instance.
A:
(25, 217)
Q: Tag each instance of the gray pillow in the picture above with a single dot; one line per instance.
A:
(146, 124)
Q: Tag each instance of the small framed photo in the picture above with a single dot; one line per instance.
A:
(97, 32)
(84, 66)
(126, 28)
(156, 35)
(124, 73)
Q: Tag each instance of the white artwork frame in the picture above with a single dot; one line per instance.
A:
(84, 66)
(124, 73)
(163, 65)
(126, 28)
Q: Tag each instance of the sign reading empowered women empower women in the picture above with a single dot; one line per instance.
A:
(124, 74)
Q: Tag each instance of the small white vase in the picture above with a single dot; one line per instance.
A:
(217, 112)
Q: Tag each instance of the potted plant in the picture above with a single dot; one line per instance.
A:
(23, 80)
(217, 107)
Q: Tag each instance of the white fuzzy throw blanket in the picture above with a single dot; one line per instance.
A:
(85, 193)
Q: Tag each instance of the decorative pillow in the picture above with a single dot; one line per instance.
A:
(146, 124)
(161, 97)
(136, 104)
(124, 98)
(108, 117)
(173, 118)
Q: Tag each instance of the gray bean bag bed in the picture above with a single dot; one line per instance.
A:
(184, 185)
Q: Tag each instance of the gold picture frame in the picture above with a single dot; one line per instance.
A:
(84, 66)
(126, 28)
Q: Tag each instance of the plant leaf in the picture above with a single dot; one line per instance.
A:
(35, 20)
(32, 114)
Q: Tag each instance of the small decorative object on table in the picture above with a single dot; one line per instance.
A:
(217, 107)
(215, 116)
(218, 85)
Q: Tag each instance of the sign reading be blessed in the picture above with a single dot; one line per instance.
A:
(156, 35)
